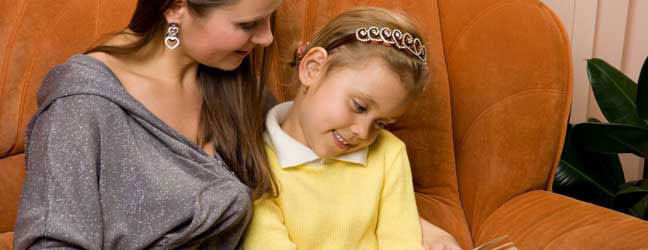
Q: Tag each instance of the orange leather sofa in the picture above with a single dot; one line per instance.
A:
(484, 140)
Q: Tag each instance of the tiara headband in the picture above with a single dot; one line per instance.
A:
(374, 35)
(393, 38)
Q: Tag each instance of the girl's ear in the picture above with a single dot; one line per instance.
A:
(311, 67)
(175, 13)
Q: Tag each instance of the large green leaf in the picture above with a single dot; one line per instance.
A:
(633, 187)
(612, 138)
(604, 168)
(642, 92)
(629, 195)
(640, 209)
(572, 181)
(587, 176)
(615, 93)
(593, 119)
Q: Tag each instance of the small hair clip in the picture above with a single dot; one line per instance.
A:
(301, 49)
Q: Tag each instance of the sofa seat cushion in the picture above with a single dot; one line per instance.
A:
(545, 220)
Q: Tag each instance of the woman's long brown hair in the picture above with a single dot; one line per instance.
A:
(232, 115)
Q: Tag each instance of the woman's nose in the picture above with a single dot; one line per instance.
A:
(263, 35)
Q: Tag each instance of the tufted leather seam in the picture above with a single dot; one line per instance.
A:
(474, 22)
(490, 217)
(28, 74)
(452, 45)
(98, 19)
(5, 66)
(441, 199)
(496, 104)
(452, 119)
(10, 43)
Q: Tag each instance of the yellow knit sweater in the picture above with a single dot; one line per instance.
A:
(340, 205)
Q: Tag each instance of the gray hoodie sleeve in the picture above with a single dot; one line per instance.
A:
(60, 204)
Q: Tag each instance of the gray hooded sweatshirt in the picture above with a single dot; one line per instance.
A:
(103, 172)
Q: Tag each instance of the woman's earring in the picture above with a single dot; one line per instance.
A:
(171, 38)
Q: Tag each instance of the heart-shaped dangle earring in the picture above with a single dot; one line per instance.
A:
(171, 38)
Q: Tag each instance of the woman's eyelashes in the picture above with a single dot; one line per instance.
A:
(249, 25)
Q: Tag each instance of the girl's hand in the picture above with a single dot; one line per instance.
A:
(435, 238)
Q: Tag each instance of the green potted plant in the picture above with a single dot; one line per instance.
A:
(590, 169)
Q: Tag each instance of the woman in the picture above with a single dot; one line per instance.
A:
(154, 139)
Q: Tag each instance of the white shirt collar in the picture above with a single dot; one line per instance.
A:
(292, 153)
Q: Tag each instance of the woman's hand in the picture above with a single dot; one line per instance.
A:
(435, 238)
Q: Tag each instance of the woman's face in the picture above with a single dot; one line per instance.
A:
(224, 36)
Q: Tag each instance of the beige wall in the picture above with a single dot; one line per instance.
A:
(614, 30)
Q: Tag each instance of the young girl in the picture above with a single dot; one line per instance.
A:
(344, 182)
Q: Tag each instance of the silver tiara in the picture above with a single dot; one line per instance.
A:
(395, 37)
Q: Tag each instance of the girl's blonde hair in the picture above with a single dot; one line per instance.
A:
(345, 52)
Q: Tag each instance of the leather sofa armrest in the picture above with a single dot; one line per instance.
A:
(6, 241)
(545, 220)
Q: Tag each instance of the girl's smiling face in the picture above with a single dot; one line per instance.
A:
(343, 111)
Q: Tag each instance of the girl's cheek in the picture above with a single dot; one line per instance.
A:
(344, 115)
